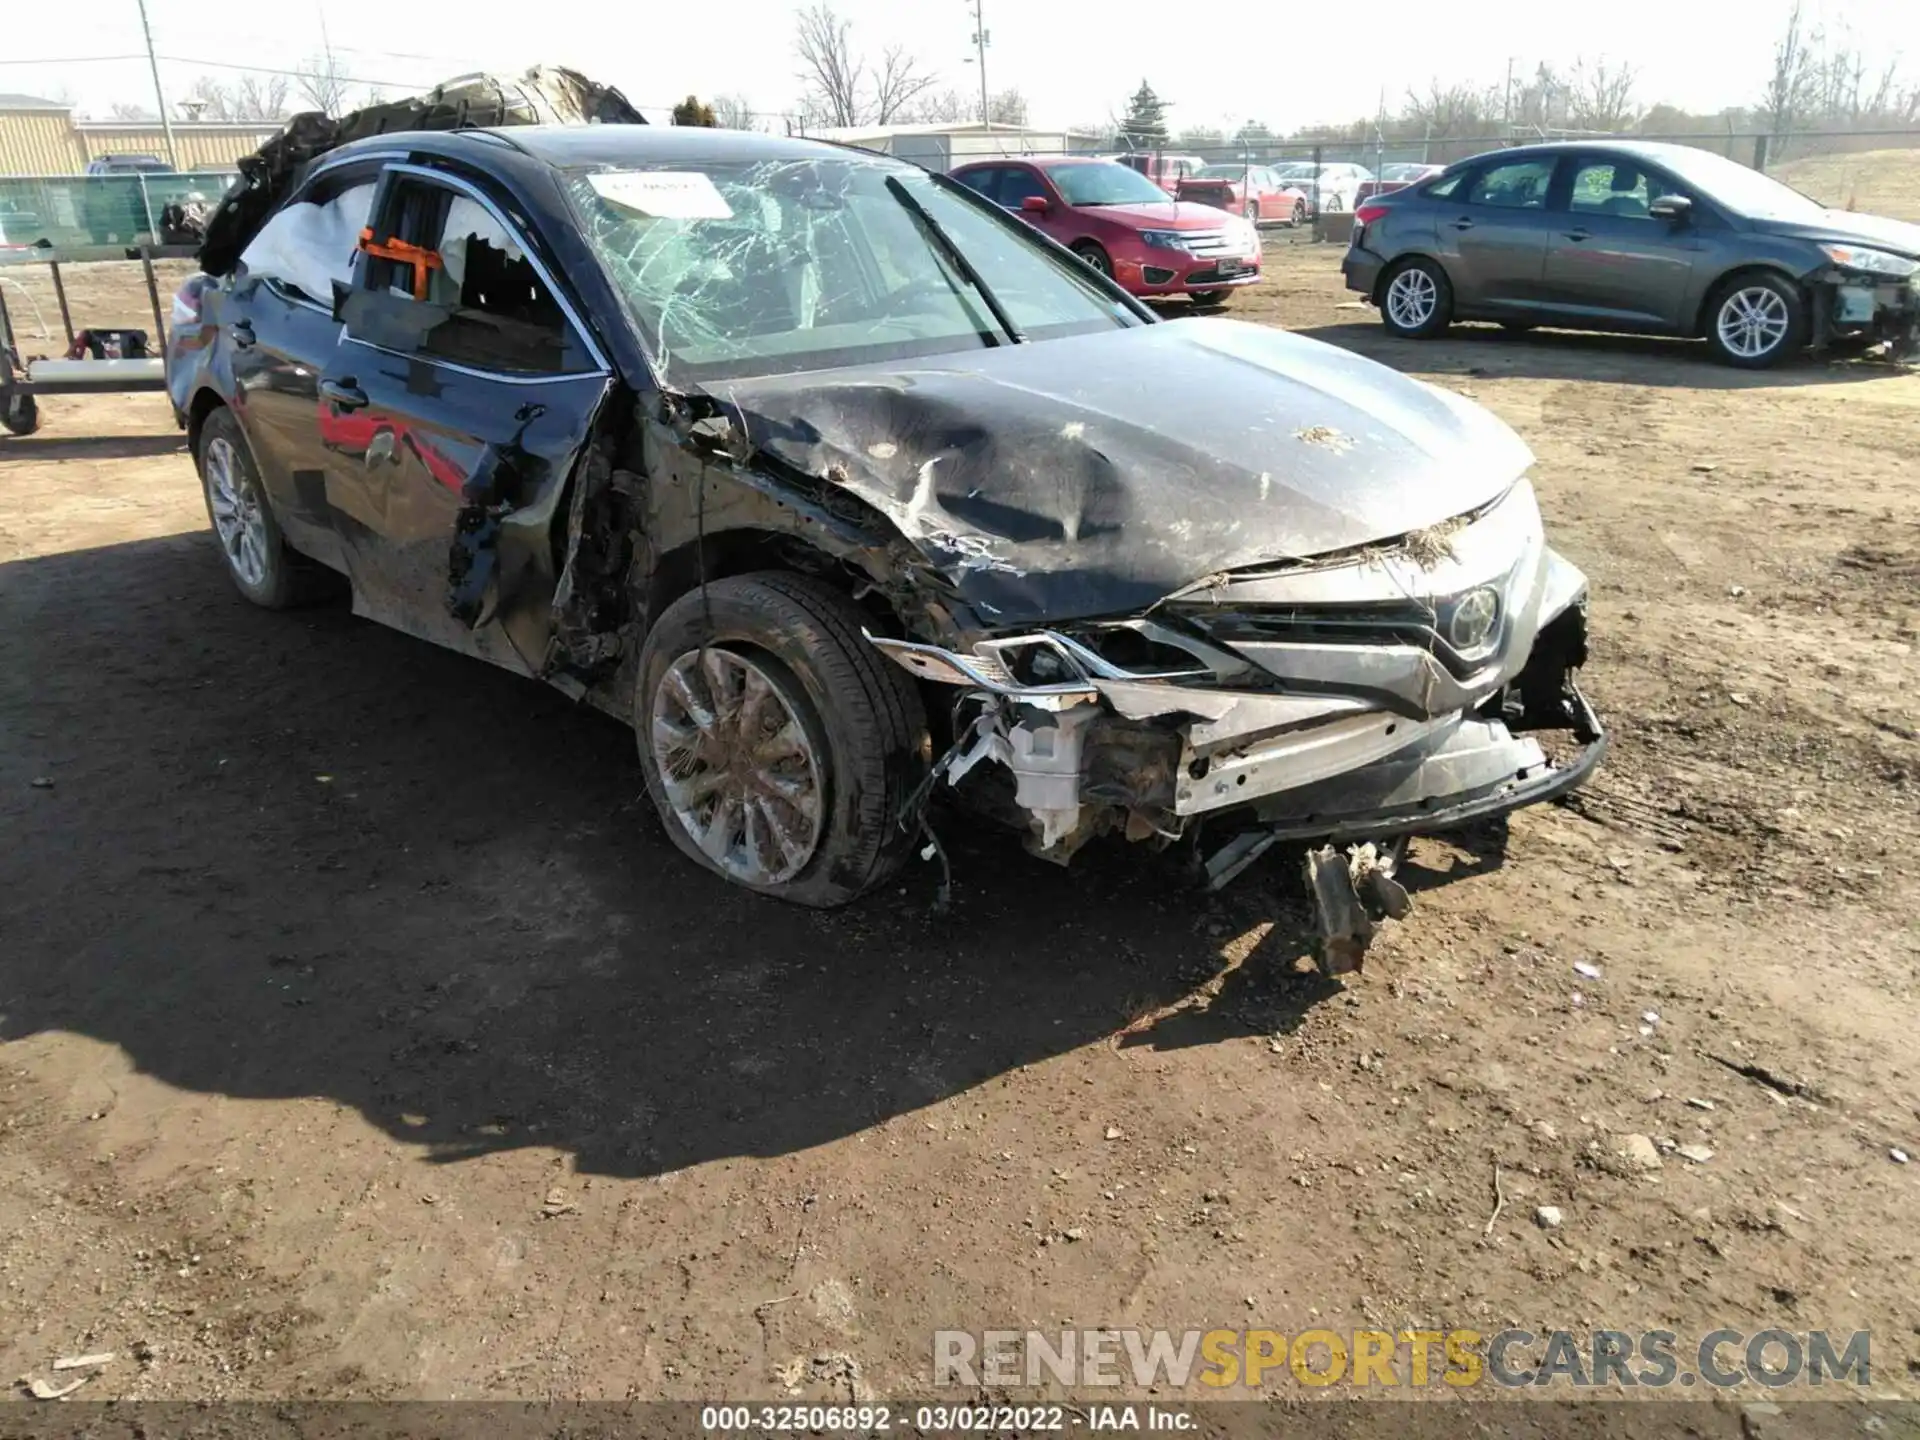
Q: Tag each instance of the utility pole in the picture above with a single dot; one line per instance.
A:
(980, 51)
(1509, 100)
(159, 95)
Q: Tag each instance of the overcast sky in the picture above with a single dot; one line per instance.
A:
(1286, 65)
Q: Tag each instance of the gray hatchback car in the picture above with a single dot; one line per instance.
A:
(1641, 238)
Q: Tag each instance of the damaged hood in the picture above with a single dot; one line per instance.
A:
(1096, 475)
(1850, 227)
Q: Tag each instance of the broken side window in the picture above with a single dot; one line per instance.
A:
(308, 245)
(481, 301)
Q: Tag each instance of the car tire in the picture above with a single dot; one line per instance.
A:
(1416, 300)
(1756, 320)
(22, 413)
(830, 802)
(1091, 252)
(1250, 212)
(1299, 214)
(257, 557)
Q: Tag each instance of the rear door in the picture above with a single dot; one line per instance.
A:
(1493, 235)
(460, 398)
(1609, 261)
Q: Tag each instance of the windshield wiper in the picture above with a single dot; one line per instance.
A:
(943, 242)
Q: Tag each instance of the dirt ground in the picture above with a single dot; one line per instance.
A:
(362, 1035)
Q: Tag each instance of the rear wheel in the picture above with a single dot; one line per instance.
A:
(780, 748)
(1088, 251)
(1756, 320)
(1251, 210)
(1415, 299)
(1299, 214)
(261, 566)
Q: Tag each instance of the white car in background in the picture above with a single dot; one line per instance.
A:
(1334, 187)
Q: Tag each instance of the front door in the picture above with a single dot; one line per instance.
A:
(1493, 236)
(281, 335)
(1609, 260)
(455, 409)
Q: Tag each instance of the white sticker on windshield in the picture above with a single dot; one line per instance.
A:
(665, 194)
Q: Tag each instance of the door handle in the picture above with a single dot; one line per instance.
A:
(1463, 223)
(243, 336)
(1579, 234)
(343, 393)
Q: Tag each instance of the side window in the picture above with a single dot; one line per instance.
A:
(986, 180)
(1017, 183)
(1518, 185)
(309, 243)
(481, 301)
(1616, 187)
(1444, 188)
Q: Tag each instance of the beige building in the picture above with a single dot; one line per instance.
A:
(41, 137)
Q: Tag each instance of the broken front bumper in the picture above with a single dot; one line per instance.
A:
(1314, 702)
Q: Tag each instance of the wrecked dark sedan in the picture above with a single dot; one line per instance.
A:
(842, 487)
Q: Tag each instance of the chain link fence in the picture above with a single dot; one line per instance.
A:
(69, 210)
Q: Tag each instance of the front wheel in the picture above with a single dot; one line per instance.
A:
(1416, 300)
(1251, 211)
(1757, 321)
(1094, 256)
(780, 748)
(1299, 214)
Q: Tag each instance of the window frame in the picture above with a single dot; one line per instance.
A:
(375, 167)
(1552, 201)
(393, 174)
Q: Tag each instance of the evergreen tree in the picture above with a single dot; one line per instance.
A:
(1146, 122)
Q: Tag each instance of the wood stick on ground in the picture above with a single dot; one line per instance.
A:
(1499, 1199)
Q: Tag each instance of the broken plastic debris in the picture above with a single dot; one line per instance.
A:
(84, 1362)
(1582, 967)
(41, 1390)
(663, 194)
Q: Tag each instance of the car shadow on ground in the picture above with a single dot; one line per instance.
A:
(1488, 350)
(90, 447)
(280, 855)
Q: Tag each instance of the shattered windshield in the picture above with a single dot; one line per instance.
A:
(758, 268)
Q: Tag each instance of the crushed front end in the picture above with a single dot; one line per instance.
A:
(1402, 688)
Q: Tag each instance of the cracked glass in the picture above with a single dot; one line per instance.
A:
(782, 266)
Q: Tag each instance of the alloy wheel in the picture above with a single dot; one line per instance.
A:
(1753, 322)
(237, 517)
(739, 769)
(1411, 298)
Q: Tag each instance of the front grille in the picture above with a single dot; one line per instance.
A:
(1359, 625)
(1205, 243)
(1214, 277)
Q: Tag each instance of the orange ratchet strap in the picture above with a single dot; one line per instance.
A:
(422, 260)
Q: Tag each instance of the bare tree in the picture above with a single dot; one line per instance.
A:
(121, 110)
(897, 83)
(258, 97)
(1007, 107)
(1600, 96)
(1449, 110)
(733, 112)
(1792, 78)
(322, 83)
(829, 69)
